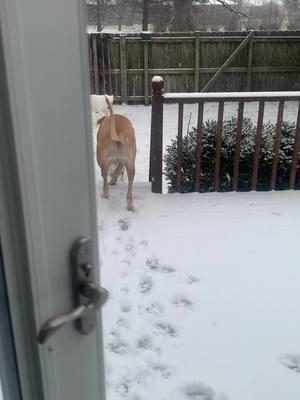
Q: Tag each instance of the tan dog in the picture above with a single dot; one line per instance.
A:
(116, 145)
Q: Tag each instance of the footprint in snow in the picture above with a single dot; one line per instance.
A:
(123, 323)
(198, 391)
(125, 307)
(182, 301)
(144, 343)
(126, 262)
(254, 205)
(167, 269)
(155, 309)
(123, 387)
(152, 262)
(134, 396)
(165, 329)
(192, 279)
(216, 205)
(279, 214)
(291, 361)
(143, 244)
(118, 345)
(146, 284)
(154, 265)
(130, 248)
(162, 370)
(123, 224)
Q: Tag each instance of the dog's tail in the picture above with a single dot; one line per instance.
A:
(115, 137)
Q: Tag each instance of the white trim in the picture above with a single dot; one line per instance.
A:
(222, 95)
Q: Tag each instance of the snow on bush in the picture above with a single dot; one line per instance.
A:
(188, 167)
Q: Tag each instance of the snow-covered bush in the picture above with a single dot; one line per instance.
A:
(189, 143)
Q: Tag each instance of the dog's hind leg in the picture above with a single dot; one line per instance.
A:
(130, 168)
(104, 173)
(116, 174)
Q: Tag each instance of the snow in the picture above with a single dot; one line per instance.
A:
(230, 95)
(157, 78)
(204, 288)
(204, 294)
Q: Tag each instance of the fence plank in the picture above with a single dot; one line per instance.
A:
(277, 144)
(228, 61)
(155, 166)
(238, 147)
(199, 146)
(197, 63)
(109, 66)
(218, 146)
(296, 152)
(260, 119)
(249, 66)
(95, 65)
(123, 67)
(146, 71)
(103, 66)
(179, 147)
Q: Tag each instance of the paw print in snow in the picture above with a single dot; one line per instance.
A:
(152, 262)
(125, 307)
(165, 329)
(182, 301)
(198, 391)
(123, 323)
(163, 371)
(124, 224)
(118, 346)
(154, 265)
(146, 284)
(155, 308)
(145, 343)
(192, 279)
(167, 269)
(292, 361)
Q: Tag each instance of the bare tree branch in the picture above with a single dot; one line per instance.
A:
(231, 9)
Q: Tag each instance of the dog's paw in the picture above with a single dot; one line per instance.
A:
(112, 183)
(104, 195)
(130, 207)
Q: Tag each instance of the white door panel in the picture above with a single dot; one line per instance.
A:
(46, 67)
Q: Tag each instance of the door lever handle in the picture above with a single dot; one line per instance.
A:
(96, 298)
(88, 297)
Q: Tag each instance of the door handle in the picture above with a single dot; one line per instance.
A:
(88, 297)
(96, 298)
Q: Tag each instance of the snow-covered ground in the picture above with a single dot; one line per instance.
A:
(204, 288)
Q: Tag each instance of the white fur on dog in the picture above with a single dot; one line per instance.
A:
(98, 104)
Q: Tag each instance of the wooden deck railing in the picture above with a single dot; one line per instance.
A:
(156, 151)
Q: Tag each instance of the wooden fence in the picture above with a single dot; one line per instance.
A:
(123, 65)
(158, 101)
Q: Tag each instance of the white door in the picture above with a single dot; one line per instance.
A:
(47, 199)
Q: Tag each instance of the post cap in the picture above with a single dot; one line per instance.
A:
(157, 85)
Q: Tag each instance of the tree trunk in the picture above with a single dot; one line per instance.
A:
(145, 15)
(182, 19)
(99, 7)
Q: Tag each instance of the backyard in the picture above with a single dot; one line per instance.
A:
(203, 287)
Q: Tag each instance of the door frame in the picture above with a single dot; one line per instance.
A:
(28, 252)
(15, 257)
